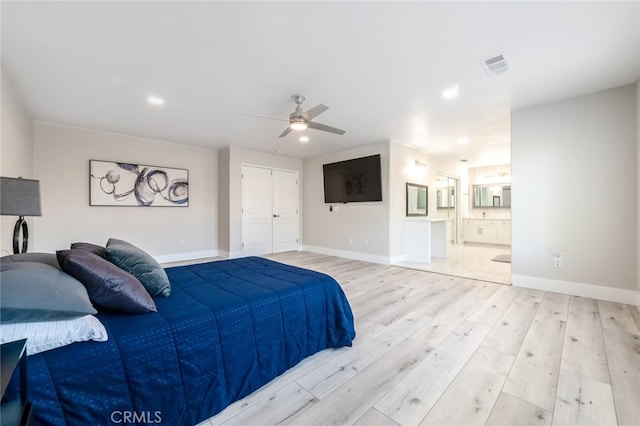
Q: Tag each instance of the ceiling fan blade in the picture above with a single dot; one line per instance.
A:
(266, 116)
(315, 111)
(325, 128)
(286, 132)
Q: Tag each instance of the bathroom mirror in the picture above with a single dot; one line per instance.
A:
(417, 196)
(488, 196)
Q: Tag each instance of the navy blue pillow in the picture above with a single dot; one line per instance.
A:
(107, 285)
(140, 264)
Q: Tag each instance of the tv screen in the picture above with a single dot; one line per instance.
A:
(353, 181)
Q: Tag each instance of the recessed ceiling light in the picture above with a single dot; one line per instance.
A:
(154, 100)
(463, 141)
(450, 93)
(304, 138)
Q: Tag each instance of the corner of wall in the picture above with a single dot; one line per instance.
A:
(638, 182)
(16, 146)
(223, 199)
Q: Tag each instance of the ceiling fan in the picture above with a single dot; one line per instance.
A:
(299, 120)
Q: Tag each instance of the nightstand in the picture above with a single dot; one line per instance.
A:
(18, 411)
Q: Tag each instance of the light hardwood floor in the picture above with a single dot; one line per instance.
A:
(434, 349)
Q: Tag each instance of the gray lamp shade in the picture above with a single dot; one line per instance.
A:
(19, 197)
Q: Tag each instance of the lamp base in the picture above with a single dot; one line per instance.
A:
(20, 224)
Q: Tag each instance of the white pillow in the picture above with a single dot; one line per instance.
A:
(42, 336)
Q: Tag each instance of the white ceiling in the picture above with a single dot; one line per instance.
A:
(381, 68)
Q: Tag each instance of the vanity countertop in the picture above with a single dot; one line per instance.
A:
(427, 219)
(486, 218)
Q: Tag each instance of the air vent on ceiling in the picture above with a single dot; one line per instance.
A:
(496, 65)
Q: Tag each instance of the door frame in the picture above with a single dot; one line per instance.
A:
(457, 218)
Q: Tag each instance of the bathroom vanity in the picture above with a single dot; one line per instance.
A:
(487, 231)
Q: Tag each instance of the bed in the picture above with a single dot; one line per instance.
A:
(227, 328)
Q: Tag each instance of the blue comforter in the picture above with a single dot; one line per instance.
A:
(228, 328)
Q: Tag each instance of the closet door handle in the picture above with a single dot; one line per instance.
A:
(276, 215)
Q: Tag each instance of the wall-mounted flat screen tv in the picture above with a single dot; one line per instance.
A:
(351, 181)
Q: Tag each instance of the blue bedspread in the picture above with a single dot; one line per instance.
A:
(228, 328)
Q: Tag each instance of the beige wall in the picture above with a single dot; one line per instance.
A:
(16, 152)
(224, 200)
(638, 179)
(62, 155)
(574, 166)
(355, 230)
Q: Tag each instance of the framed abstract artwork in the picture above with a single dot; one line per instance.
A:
(126, 184)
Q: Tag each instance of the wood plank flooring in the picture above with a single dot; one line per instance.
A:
(434, 349)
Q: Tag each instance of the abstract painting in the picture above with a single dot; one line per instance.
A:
(126, 184)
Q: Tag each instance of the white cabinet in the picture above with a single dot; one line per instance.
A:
(440, 237)
(504, 232)
(487, 231)
(424, 239)
(417, 241)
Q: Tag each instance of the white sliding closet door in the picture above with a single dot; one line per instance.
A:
(285, 211)
(270, 221)
(257, 230)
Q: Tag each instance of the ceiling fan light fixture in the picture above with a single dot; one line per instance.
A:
(298, 125)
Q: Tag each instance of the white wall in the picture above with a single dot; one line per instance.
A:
(365, 224)
(574, 166)
(638, 175)
(62, 155)
(231, 222)
(403, 169)
(16, 152)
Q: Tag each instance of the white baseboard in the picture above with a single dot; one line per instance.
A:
(191, 255)
(229, 254)
(609, 294)
(365, 257)
(397, 259)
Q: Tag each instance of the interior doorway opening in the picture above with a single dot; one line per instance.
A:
(447, 202)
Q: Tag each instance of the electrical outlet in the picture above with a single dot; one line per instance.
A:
(557, 261)
(181, 244)
(350, 241)
(366, 243)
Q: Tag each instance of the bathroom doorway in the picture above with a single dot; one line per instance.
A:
(447, 202)
(467, 258)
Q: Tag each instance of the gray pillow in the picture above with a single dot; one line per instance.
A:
(108, 285)
(31, 291)
(46, 258)
(140, 264)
